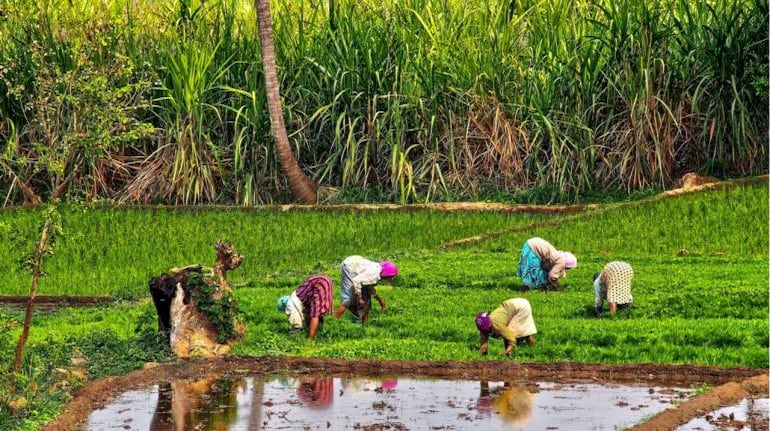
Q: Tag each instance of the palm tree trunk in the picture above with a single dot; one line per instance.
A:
(301, 187)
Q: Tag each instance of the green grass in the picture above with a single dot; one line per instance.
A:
(116, 251)
(707, 305)
(729, 222)
(705, 311)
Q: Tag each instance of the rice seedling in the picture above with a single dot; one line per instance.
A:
(114, 251)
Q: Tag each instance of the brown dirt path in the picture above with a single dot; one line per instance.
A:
(97, 393)
(54, 301)
(728, 394)
(446, 206)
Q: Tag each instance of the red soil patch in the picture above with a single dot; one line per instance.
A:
(96, 394)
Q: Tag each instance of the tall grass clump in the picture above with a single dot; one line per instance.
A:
(414, 100)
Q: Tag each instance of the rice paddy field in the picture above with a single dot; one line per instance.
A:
(700, 287)
(112, 107)
(697, 258)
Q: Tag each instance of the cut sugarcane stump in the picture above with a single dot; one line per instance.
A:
(197, 310)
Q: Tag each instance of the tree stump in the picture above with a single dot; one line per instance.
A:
(197, 310)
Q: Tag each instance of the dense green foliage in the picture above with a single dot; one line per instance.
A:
(700, 289)
(222, 312)
(387, 100)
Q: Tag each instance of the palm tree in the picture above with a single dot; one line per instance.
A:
(301, 187)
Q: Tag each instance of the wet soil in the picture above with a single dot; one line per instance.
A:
(724, 395)
(96, 394)
(749, 414)
(49, 302)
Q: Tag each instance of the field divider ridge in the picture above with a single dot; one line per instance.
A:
(588, 211)
(722, 396)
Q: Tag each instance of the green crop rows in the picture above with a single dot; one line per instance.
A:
(700, 287)
(115, 251)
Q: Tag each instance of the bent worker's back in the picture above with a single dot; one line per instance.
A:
(513, 319)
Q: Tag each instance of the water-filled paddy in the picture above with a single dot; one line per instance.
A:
(250, 403)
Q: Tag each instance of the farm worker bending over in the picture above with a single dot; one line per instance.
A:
(613, 284)
(308, 304)
(512, 321)
(359, 277)
(540, 264)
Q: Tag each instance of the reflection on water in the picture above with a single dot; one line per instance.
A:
(307, 402)
(511, 402)
(207, 404)
(315, 393)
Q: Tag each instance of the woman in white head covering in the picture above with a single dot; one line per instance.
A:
(541, 264)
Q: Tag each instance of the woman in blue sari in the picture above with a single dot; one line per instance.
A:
(541, 265)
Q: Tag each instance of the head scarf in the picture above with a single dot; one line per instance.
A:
(282, 303)
(570, 261)
(483, 322)
(388, 269)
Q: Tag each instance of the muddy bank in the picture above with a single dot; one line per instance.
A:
(51, 302)
(727, 394)
(95, 394)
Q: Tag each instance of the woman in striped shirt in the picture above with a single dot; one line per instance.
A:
(309, 303)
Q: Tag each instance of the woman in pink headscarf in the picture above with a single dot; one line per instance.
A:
(316, 393)
(359, 278)
(541, 265)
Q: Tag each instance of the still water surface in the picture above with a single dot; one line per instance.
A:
(252, 403)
